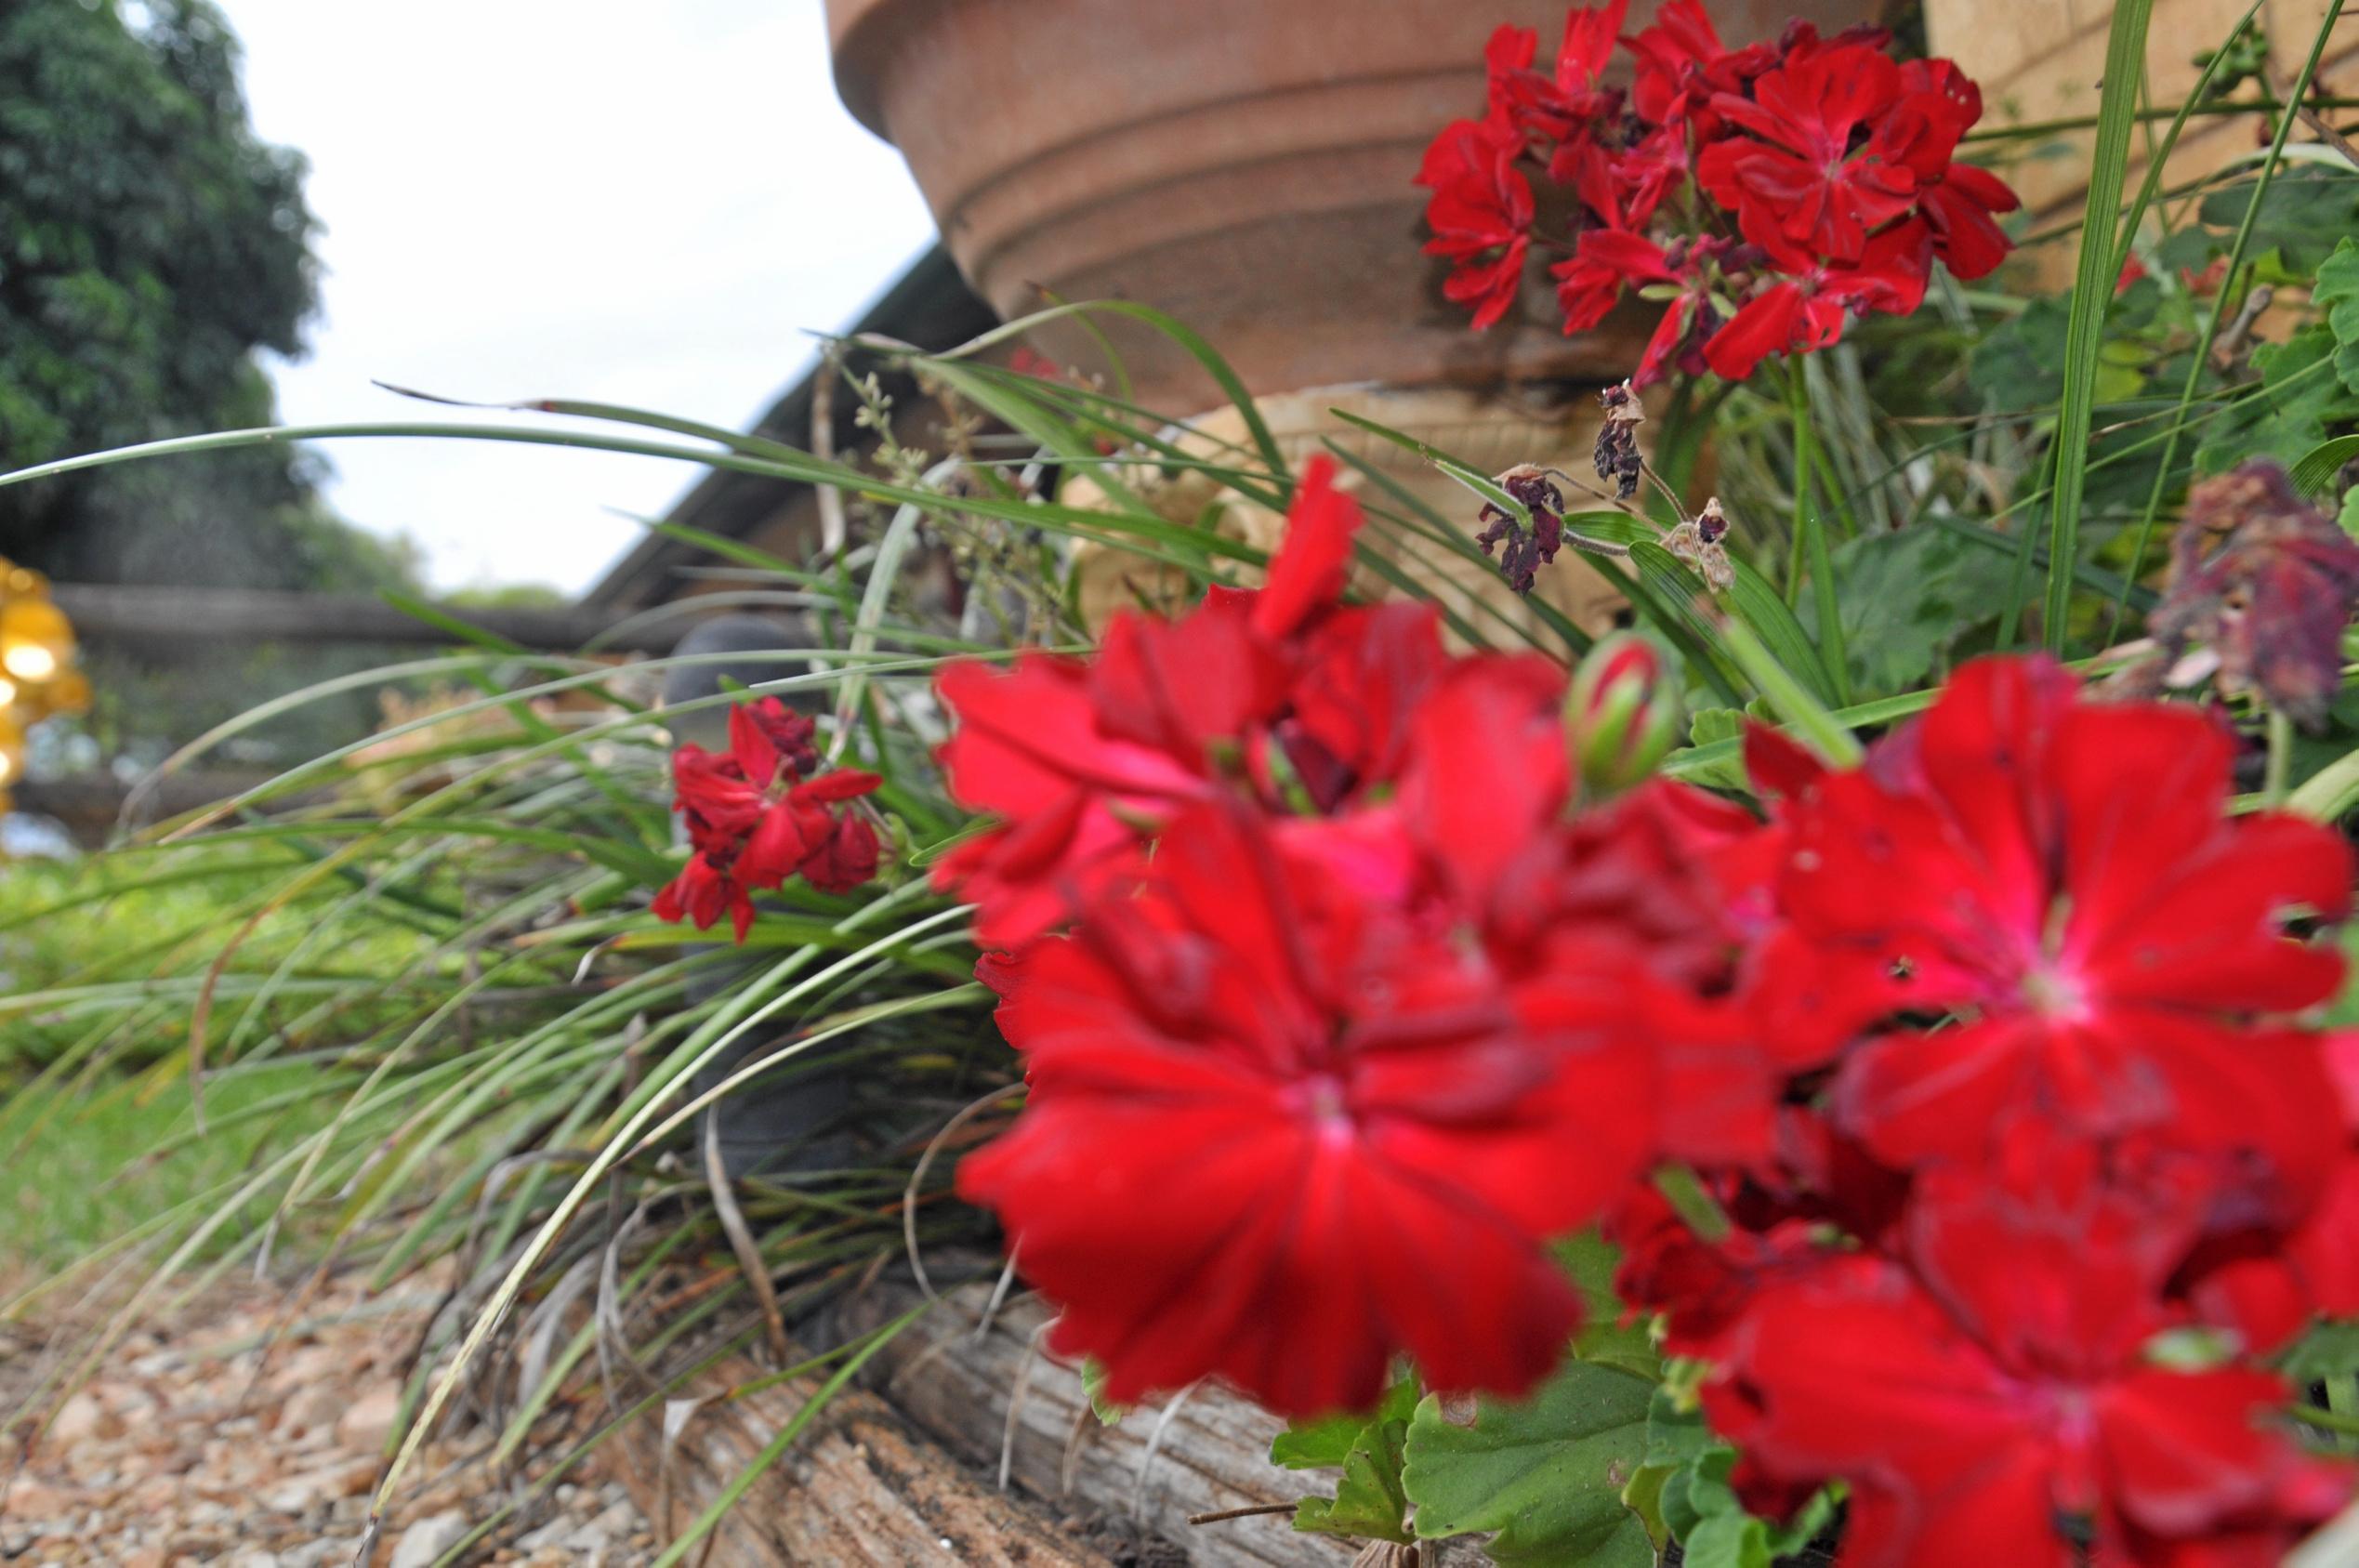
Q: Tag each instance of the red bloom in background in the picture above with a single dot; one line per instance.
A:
(1810, 309)
(1590, 282)
(1481, 213)
(1801, 184)
(1278, 1134)
(2066, 875)
(1683, 63)
(754, 820)
(1836, 164)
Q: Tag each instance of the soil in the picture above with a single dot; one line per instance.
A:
(191, 1447)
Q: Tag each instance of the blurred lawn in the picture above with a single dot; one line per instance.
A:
(77, 1169)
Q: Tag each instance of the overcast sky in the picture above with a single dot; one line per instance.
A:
(631, 202)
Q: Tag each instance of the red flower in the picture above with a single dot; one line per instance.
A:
(1074, 799)
(1803, 184)
(1998, 1403)
(754, 820)
(1941, 103)
(1278, 1134)
(1480, 213)
(1957, 1459)
(1683, 63)
(1085, 762)
(1590, 282)
(2065, 877)
(1809, 311)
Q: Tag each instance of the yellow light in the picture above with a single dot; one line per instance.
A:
(7, 692)
(29, 661)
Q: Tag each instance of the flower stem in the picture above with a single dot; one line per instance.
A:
(2326, 1420)
(2279, 766)
(1810, 534)
(1697, 1208)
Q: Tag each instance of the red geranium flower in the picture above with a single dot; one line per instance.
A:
(1480, 213)
(1590, 282)
(1279, 1133)
(1803, 184)
(754, 820)
(1085, 761)
(1996, 1405)
(1810, 310)
(1683, 63)
(2065, 878)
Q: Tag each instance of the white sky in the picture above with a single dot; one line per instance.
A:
(612, 200)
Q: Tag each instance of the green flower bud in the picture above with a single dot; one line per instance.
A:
(1622, 713)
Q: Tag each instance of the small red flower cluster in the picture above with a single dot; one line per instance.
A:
(1336, 1010)
(763, 812)
(1801, 183)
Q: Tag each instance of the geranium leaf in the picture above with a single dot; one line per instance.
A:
(1907, 596)
(1093, 1383)
(1546, 1473)
(2300, 402)
(1325, 1444)
(2331, 1350)
(1369, 1503)
(2336, 294)
(1589, 1259)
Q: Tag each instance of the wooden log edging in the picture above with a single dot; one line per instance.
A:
(1211, 1453)
(858, 1489)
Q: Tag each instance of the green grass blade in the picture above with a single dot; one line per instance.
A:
(2093, 292)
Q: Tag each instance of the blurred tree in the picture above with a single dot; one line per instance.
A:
(151, 244)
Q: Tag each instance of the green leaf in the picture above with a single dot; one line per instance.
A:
(1907, 596)
(2315, 475)
(1324, 1444)
(2300, 405)
(1707, 725)
(1093, 1383)
(2331, 1350)
(2303, 216)
(2336, 294)
(1546, 1473)
(1369, 1503)
(1605, 1338)
(1675, 1436)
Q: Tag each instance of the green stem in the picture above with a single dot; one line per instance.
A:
(2228, 293)
(1810, 534)
(2086, 122)
(1789, 698)
(2279, 766)
(1700, 1211)
(2326, 1420)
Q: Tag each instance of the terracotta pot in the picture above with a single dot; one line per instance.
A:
(1245, 164)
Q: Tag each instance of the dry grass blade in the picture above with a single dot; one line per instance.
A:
(741, 1242)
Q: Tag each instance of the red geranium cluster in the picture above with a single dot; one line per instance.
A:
(763, 812)
(1795, 184)
(1336, 1005)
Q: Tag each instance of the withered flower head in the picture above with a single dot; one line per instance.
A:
(2261, 585)
(1617, 453)
(1697, 542)
(1523, 553)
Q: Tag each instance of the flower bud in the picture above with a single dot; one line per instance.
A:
(1623, 712)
